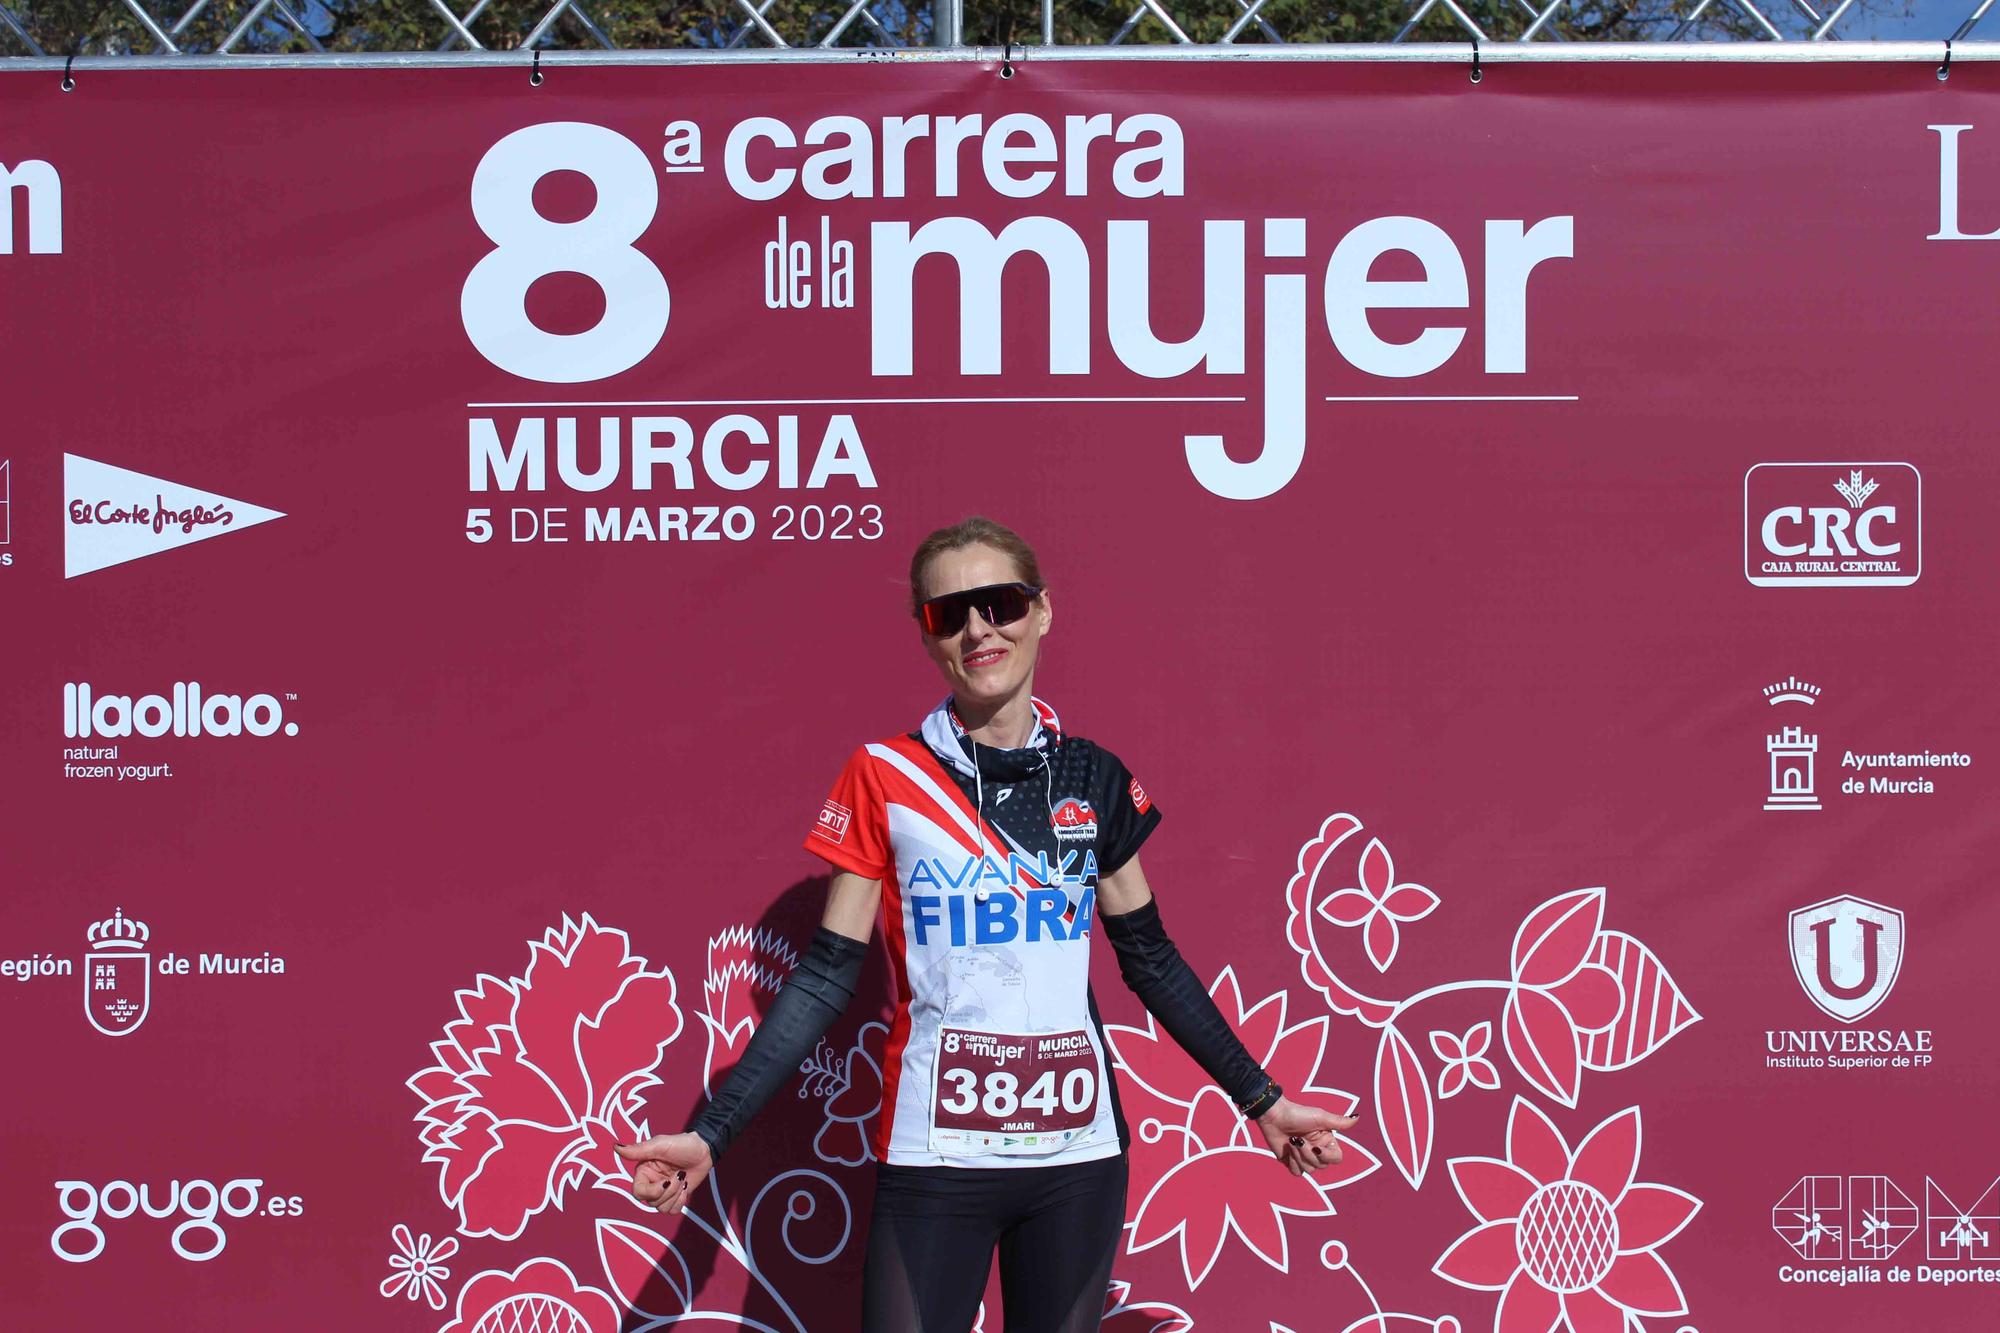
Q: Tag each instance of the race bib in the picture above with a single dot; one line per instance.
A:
(1001, 1092)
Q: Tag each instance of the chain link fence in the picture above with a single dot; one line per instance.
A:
(93, 28)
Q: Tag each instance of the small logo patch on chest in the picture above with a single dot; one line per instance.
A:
(1074, 820)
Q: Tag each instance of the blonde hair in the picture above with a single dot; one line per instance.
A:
(973, 531)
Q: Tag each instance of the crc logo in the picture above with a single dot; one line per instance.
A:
(1829, 525)
(1875, 1219)
(1847, 953)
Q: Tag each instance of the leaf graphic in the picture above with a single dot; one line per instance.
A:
(1556, 937)
(1542, 1043)
(1652, 1008)
(1403, 1099)
(639, 1261)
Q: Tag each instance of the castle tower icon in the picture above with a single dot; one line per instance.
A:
(1792, 751)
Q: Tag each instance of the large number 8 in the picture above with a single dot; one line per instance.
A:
(528, 246)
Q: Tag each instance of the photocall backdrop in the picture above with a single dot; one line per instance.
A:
(1534, 540)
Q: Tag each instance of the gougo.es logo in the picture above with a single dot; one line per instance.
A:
(201, 1206)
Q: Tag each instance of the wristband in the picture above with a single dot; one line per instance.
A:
(1263, 1101)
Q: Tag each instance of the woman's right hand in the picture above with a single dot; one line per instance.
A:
(666, 1169)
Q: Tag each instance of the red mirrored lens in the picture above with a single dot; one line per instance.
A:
(998, 604)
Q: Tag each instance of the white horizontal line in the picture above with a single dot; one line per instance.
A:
(1452, 398)
(857, 402)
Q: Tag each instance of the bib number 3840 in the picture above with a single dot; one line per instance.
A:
(1001, 1092)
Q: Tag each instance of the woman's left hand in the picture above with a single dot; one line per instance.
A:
(1302, 1137)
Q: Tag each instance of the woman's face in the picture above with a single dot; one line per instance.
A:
(983, 664)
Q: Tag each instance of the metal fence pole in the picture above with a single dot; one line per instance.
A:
(947, 23)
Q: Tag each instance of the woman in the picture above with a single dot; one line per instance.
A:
(1000, 841)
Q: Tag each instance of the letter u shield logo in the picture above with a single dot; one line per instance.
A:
(1847, 953)
(117, 989)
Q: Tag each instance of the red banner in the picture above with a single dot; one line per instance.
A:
(1532, 539)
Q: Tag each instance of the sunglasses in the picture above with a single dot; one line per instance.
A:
(997, 604)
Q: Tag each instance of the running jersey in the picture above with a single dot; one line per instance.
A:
(996, 1056)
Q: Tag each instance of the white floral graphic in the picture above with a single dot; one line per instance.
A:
(420, 1270)
(1464, 1060)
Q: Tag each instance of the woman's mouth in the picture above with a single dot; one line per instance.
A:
(984, 657)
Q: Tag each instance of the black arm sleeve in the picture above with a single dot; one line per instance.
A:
(816, 993)
(1166, 985)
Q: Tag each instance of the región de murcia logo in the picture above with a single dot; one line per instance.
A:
(118, 967)
(117, 975)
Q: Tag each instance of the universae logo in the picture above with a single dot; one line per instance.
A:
(1830, 525)
(1847, 953)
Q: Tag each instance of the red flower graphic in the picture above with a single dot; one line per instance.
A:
(1559, 996)
(541, 1294)
(1567, 1236)
(1198, 1173)
(541, 1073)
(747, 966)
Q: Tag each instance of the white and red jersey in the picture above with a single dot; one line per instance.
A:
(995, 1056)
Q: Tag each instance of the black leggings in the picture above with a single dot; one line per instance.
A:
(932, 1233)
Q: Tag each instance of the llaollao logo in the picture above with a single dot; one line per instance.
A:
(186, 709)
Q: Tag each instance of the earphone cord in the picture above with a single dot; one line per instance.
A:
(979, 793)
(978, 801)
